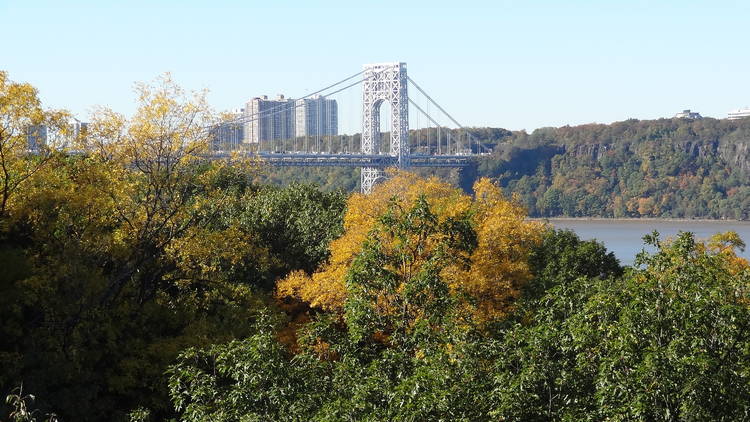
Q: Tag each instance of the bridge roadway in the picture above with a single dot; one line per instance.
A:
(358, 160)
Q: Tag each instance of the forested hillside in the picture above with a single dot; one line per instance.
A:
(652, 168)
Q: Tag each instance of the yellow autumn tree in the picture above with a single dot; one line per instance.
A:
(151, 169)
(25, 131)
(727, 244)
(489, 276)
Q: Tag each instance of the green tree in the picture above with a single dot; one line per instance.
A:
(562, 257)
(295, 223)
(255, 379)
(680, 347)
(666, 342)
(401, 351)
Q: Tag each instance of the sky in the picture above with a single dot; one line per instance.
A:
(511, 64)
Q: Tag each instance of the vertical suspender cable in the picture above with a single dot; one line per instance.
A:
(418, 134)
(429, 126)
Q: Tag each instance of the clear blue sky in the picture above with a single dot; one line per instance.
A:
(513, 64)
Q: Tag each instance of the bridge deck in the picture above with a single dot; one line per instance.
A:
(359, 160)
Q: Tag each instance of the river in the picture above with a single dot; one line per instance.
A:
(624, 237)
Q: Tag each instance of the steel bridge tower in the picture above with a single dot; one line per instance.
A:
(384, 82)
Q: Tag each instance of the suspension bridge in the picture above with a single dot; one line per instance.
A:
(393, 134)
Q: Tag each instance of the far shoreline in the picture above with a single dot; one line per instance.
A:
(638, 219)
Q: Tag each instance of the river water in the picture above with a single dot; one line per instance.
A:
(624, 237)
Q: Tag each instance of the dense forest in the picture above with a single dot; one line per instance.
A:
(676, 168)
(141, 282)
(672, 168)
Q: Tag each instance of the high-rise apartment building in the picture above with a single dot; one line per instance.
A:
(56, 137)
(269, 120)
(316, 116)
(284, 118)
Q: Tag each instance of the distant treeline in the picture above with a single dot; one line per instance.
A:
(649, 168)
(674, 168)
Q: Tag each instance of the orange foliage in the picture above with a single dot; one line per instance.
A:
(496, 269)
(645, 206)
(499, 265)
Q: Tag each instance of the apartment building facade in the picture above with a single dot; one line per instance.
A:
(269, 120)
(316, 116)
(283, 118)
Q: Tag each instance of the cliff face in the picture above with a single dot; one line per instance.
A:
(699, 149)
(736, 155)
(589, 151)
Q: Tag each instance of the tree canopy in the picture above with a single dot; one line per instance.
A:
(485, 239)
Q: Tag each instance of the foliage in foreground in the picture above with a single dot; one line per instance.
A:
(666, 341)
(477, 247)
(406, 327)
(115, 261)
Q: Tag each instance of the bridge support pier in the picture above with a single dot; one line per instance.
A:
(369, 177)
(384, 82)
(467, 175)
